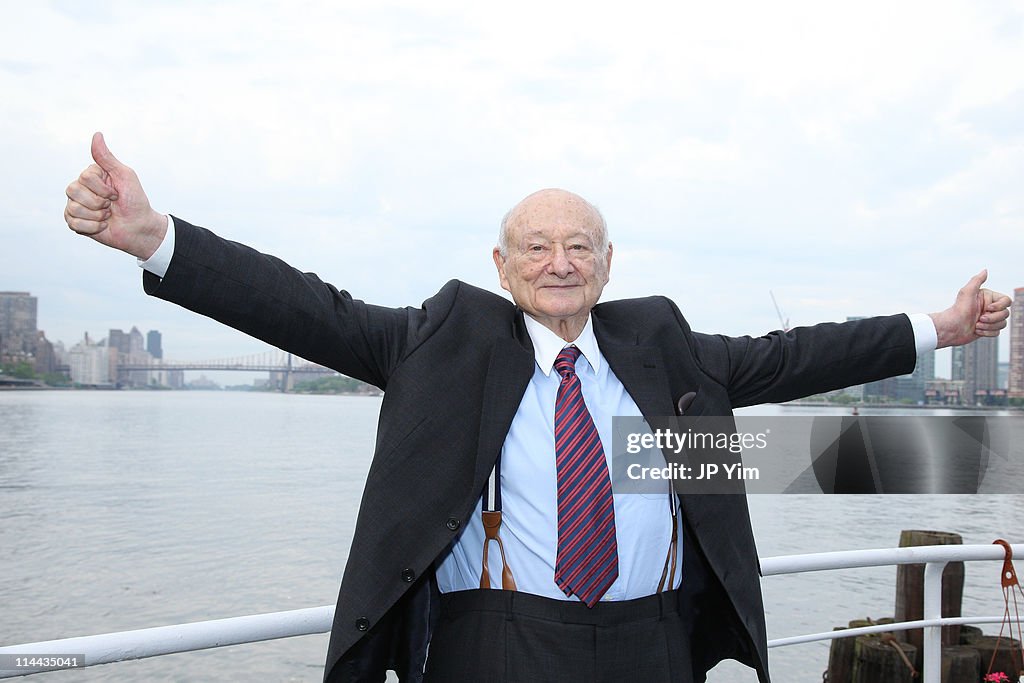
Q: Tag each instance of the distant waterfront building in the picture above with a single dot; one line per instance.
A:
(90, 363)
(60, 352)
(1015, 380)
(923, 373)
(117, 340)
(128, 348)
(20, 339)
(153, 344)
(46, 361)
(18, 332)
(137, 355)
(176, 379)
(203, 382)
(946, 392)
(956, 366)
(980, 370)
(136, 342)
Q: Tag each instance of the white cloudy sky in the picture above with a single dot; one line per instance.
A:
(862, 158)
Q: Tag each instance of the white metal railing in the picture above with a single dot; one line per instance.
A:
(934, 557)
(108, 648)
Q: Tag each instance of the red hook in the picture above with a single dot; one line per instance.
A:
(1009, 577)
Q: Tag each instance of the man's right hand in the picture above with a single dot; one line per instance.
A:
(107, 203)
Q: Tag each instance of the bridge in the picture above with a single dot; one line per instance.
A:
(273, 360)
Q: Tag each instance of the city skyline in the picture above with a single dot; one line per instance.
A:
(974, 370)
(122, 359)
(1003, 355)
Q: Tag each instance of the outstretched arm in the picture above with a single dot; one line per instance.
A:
(252, 292)
(976, 313)
(107, 203)
(782, 366)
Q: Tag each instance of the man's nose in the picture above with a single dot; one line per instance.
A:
(560, 264)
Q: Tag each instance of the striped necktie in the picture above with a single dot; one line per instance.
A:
(587, 563)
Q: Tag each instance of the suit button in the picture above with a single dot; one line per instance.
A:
(453, 524)
(363, 624)
(408, 575)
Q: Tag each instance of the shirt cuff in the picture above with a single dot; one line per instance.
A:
(925, 336)
(161, 258)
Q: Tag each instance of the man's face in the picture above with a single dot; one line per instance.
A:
(555, 267)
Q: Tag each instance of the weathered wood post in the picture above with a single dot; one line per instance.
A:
(1006, 655)
(960, 664)
(840, 654)
(968, 634)
(910, 588)
(878, 660)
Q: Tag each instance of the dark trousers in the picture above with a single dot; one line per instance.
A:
(495, 636)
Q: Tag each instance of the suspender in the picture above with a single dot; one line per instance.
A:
(670, 572)
(491, 516)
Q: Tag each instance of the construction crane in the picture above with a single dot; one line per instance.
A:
(784, 321)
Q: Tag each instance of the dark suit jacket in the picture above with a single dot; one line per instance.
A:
(454, 371)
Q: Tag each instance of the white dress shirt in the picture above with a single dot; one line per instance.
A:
(529, 528)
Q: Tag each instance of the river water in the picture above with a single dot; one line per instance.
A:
(125, 510)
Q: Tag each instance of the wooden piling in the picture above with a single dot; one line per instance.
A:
(840, 653)
(840, 658)
(1007, 654)
(910, 588)
(960, 664)
(968, 634)
(877, 660)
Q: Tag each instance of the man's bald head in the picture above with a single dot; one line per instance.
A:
(572, 203)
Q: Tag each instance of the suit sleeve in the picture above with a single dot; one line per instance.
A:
(266, 298)
(782, 366)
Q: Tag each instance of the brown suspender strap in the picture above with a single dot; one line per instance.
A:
(492, 524)
(491, 516)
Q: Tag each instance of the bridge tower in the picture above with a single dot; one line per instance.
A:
(288, 384)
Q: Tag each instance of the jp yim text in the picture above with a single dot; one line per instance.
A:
(705, 471)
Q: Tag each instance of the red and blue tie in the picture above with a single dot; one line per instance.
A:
(587, 563)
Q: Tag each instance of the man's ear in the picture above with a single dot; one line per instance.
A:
(499, 263)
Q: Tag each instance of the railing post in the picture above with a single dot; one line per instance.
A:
(931, 658)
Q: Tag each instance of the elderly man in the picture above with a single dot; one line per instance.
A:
(593, 586)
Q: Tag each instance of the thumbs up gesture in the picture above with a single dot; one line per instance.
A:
(107, 203)
(977, 312)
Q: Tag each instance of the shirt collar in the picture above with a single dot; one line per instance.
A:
(547, 345)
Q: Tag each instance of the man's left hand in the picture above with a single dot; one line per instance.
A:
(976, 313)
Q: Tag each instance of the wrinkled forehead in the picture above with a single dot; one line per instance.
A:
(557, 234)
(555, 217)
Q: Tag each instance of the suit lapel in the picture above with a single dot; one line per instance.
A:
(508, 373)
(641, 369)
